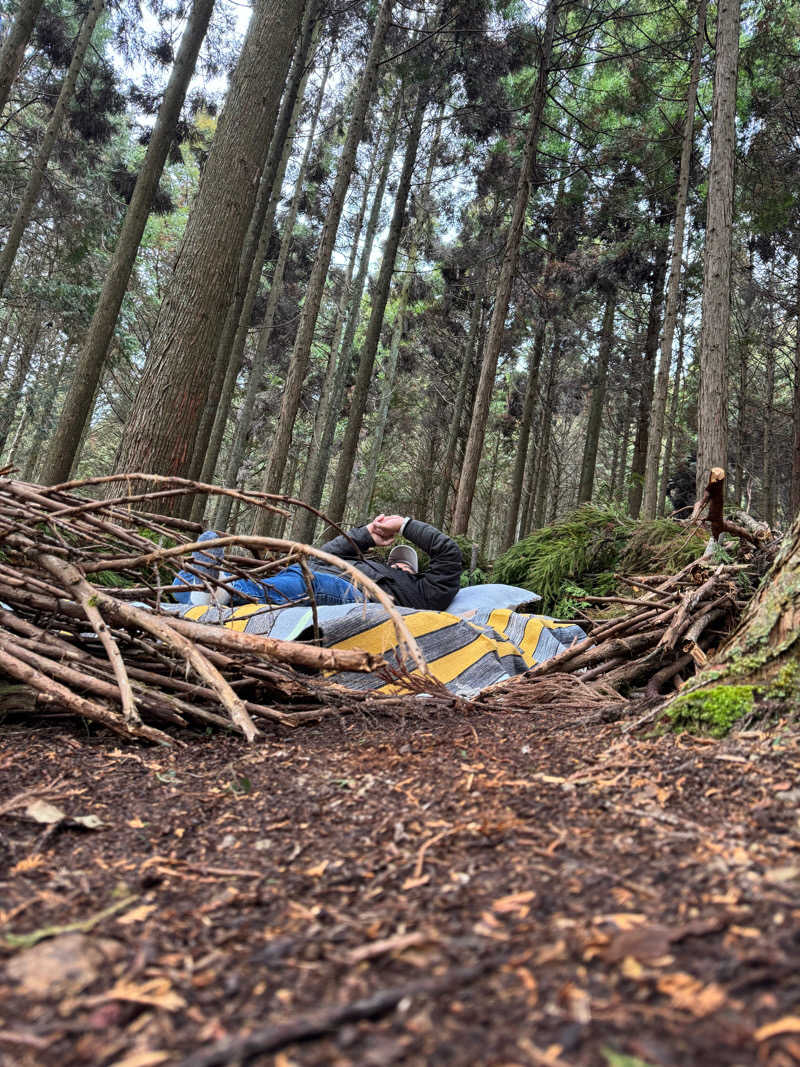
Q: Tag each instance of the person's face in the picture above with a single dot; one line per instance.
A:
(401, 565)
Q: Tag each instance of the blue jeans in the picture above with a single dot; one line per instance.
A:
(281, 588)
(289, 584)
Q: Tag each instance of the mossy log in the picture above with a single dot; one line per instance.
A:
(758, 667)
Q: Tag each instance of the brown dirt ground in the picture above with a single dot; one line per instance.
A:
(635, 900)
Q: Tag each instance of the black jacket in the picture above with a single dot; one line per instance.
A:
(434, 589)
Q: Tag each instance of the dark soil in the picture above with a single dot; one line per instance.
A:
(625, 900)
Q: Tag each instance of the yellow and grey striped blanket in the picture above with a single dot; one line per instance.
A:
(465, 653)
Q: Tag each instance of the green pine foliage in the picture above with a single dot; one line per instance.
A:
(580, 555)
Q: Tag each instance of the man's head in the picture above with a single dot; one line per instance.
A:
(404, 558)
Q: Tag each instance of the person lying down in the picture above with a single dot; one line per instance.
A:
(399, 576)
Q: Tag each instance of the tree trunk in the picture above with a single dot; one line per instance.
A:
(230, 347)
(91, 359)
(165, 415)
(390, 364)
(387, 390)
(48, 393)
(244, 418)
(36, 177)
(11, 399)
(650, 502)
(525, 426)
(543, 475)
(647, 368)
(673, 411)
(767, 458)
(483, 537)
(469, 471)
(301, 350)
(712, 411)
(380, 296)
(14, 46)
(459, 403)
(795, 488)
(330, 403)
(759, 660)
(589, 462)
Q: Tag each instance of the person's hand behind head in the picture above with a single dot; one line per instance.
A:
(384, 528)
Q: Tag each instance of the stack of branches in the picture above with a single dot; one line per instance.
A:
(670, 623)
(82, 582)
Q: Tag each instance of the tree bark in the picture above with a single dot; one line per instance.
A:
(230, 347)
(712, 413)
(244, 418)
(494, 339)
(646, 383)
(165, 415)
(45, 407)
(459, 403)
(795, 487)
(330, 403)
(525, 427)
(11, 399)
(673, 411)
(543, 474)
(589, 462)
(64, 443)
(380, 296)
(650, 502)
(298, 363)
(14, 45)
(36, 177)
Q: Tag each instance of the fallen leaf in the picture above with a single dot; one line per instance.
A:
(789, 1024)
(645, 943)
(145, 1058)
(29, 863)
(136, 824)
(317, 871)
(63, 966)
(44, 812)
(136, 915)
(689, 994)
(779, 875)
(158, 993)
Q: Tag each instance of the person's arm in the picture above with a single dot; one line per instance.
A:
(442, 579)
(343, 545)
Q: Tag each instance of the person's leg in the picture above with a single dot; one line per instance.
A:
(331, 589)
(289, 585)
(204, 563)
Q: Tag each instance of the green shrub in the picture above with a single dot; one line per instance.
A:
(579, 555)
(580, 548)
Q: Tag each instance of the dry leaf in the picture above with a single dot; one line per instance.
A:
(158, 993)
(689, 994)
(789, 1024)
(44, 812)
(29, 863)
(316, 871)
(391, 944)
(136, 824)
(145, 1058)
(136, 915)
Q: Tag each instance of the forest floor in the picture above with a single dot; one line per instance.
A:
(530, 888)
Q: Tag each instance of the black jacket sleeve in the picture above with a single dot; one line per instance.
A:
(341, 547)
(441, 581)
